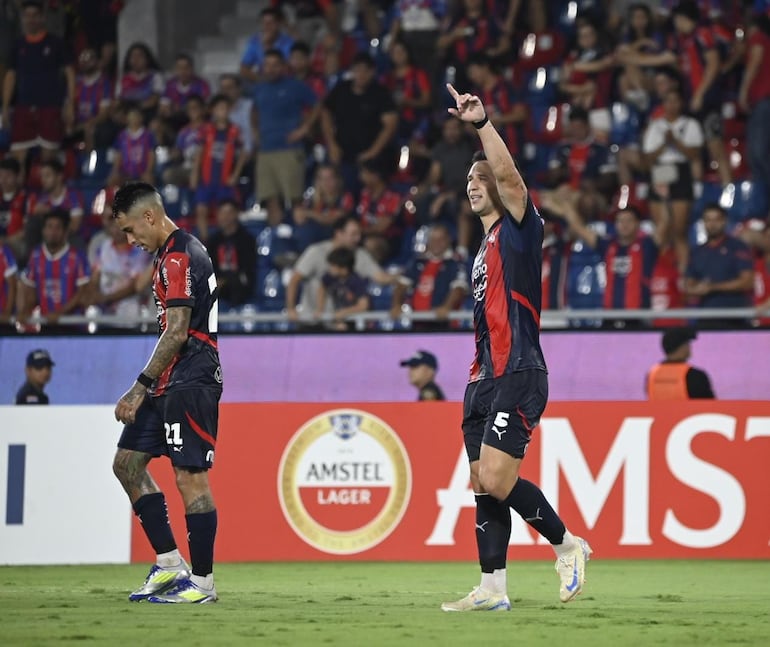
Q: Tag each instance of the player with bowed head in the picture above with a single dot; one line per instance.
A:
(172, 408)
(508, 386)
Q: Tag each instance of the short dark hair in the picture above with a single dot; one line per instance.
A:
(271, 11)
(479, 156)
(10, 164)
(218, 98)
(688, 9)
(184, 56)
(32, 4)
(364, 58)
(229, 76)
(132, 106)
(300, 46)
(577, 113)
(277, 53)
(633, 210)
(479, 58)
(196, 98)
(715, 206)
(129, 194)
(55, 165)
(60, 214)
(342, 257)
(343, 222)
(228, 202)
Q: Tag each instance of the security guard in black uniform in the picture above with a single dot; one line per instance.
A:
(38, 372)
(422, 373)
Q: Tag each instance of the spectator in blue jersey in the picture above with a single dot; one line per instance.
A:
(436, 282)
(8, 284)
(629, 256)
(187, 145)
(286, 110)
(343, 288)
(134, 157)
(218, 163)
(40, 82)
(233, 252)
(270, 36)
(184, 84)
(721, 270)
(56, 277)
(55, 195)
(507, 389)
(94, 100)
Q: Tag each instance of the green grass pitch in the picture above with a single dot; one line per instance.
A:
(626, 603)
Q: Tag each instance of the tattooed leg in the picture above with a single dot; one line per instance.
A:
(195, 490)
(131, 469)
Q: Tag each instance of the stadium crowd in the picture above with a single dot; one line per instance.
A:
(326, 177)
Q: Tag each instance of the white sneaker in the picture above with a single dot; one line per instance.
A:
(479, 600)
(160, 579)
(572, 570)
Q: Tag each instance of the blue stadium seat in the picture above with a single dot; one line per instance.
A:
(272, 293)
(95, 167)
(749, 201)
(380, 296)
(712, 192)
(626, 124)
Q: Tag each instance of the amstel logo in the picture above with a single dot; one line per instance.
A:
(344, 481)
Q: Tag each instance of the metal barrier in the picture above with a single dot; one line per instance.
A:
(550, 319)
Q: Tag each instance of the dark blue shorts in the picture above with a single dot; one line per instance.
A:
(181, 425)
(212, 194)
(503, 412)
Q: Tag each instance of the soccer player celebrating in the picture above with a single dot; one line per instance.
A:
(172, 407)
(508, 386)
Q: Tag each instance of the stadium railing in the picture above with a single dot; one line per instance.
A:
(247, 320)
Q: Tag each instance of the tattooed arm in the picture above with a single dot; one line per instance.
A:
(169, 344)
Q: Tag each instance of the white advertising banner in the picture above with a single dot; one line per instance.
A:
(59, 500)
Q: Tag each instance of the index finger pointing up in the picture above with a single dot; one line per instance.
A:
(455, 94)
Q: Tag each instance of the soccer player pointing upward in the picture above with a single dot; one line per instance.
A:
(508, 386)
(172, 407)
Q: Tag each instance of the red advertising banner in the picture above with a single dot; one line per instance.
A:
(390, 481)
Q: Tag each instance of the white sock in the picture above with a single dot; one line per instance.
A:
(488, 582)
(203, 582)
(169, 559)
(494, 582)
(566, 546)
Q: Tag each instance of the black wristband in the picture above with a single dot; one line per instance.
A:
(145, 380)
(478, 125)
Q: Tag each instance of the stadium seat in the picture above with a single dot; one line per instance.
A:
(540, 50)
(749, 200)
(95, 167)
(626, 124)
(710, 192)
(272, 293)
(380, 296)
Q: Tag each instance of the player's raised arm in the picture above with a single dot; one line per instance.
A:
(510, 184)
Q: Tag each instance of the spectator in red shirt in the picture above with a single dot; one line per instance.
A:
(754, 99)
(13, 206)
(8, 284)
(379, 211)
(41, 77)
(436, 281)
(506, 111)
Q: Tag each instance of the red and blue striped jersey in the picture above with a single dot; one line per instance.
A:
(691, 50)
(55, 277)
(506, 279)
(629, 270)
(92, 95)
(176, 92)
(220, 150)
(13, 209)
(184, 276)
(501, 96)
(69, 199)
(139, 88)
(7, 269)
(135, 151)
